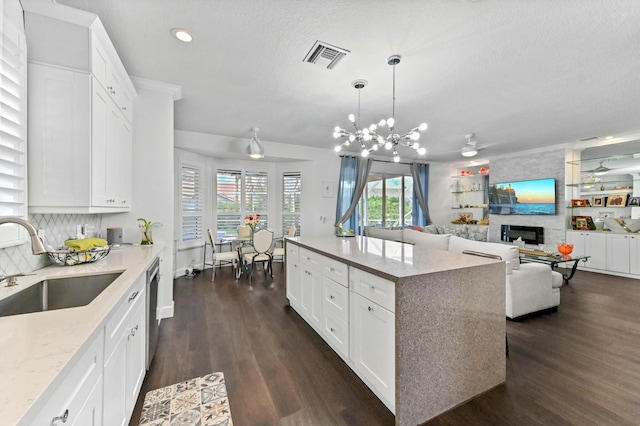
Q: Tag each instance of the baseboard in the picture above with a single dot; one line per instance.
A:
(165, 311)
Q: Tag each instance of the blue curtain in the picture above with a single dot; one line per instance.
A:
(420, 173)
(346, 190)
(353, 178)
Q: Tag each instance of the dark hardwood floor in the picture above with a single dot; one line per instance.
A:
(577, 366)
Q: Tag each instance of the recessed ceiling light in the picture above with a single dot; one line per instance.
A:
(182, 35)
(609, 137)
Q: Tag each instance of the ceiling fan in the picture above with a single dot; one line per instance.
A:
(600, 170)
(469, 149)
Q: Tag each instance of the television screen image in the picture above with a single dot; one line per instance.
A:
(536, 197)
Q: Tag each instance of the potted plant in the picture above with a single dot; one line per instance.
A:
(145, 226)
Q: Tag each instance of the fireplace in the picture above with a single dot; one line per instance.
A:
(529, 234)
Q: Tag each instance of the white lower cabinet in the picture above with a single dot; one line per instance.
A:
(352, 310)
(311, 288)
(372, 331)
(293, 274)
(634, 254)
(610, 252)
(593, 244)
(78, 398)
(124, 368)
(618, 253)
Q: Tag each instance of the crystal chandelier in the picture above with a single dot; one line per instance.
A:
(369, 139)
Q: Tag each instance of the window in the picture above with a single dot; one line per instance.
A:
(387, 200)
(191, 202)
(291, 194)
(238, 194)
(229, 201)
(12, 131)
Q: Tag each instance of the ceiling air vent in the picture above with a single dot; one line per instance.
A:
(325, 54)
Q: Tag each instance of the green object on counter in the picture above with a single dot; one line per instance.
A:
(85, 244)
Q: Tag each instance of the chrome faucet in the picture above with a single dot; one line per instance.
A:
(36, 245)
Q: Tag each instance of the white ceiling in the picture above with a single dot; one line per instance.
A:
(518, 74)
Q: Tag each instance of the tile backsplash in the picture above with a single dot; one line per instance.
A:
(58, 228)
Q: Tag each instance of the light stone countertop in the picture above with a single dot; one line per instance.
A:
(388, 259)
(35, 348)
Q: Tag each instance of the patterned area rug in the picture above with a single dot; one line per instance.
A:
(196, 402)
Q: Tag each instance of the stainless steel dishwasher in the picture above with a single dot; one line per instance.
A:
(152, 303)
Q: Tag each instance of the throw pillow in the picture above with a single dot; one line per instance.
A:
(430, 229)
(457, 230)
(477, 233)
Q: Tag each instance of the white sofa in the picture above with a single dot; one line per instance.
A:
(530, 287)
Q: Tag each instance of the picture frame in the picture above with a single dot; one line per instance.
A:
(599, 201)
(617, 200)
(634, 202)
(582, 223)
(327, 189)
(580, 202)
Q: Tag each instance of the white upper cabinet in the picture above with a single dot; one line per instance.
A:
(80, 112)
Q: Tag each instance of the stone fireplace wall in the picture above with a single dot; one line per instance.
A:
(526, 166)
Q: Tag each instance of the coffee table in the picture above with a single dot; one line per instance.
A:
(553, 260)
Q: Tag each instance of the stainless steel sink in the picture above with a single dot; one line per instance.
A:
(59, 293)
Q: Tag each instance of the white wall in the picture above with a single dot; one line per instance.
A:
(153, 184)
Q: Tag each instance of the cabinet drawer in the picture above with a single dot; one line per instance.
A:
(374, 288)
(308, 257)
(292, 251)
(336, 333)
(335, 299)
(335, 270)
(76, 387)
(116, 324)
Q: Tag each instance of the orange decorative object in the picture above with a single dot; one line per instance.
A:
(565, 249)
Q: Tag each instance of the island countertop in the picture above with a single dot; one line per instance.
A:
(36, 348)
(449, 320)
(391, 260)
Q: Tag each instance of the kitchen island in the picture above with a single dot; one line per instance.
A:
(39, 351)
(423, 328)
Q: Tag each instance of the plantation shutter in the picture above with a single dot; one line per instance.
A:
(257, 195)
(291, 196)
(191, 194)
(12, 131)
(228, 201)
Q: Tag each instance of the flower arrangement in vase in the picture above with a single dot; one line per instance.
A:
(253, 220)
(145, 227)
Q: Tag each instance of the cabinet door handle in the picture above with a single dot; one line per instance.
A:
(332, 330)
(132, 333)
(331, 296)
(62, 417)
(133, 296)
(370, 308)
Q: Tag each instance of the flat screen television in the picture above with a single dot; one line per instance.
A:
(537, 196)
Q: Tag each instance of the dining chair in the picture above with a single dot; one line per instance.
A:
(262, 242)
(223, 257)
(278, 252)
